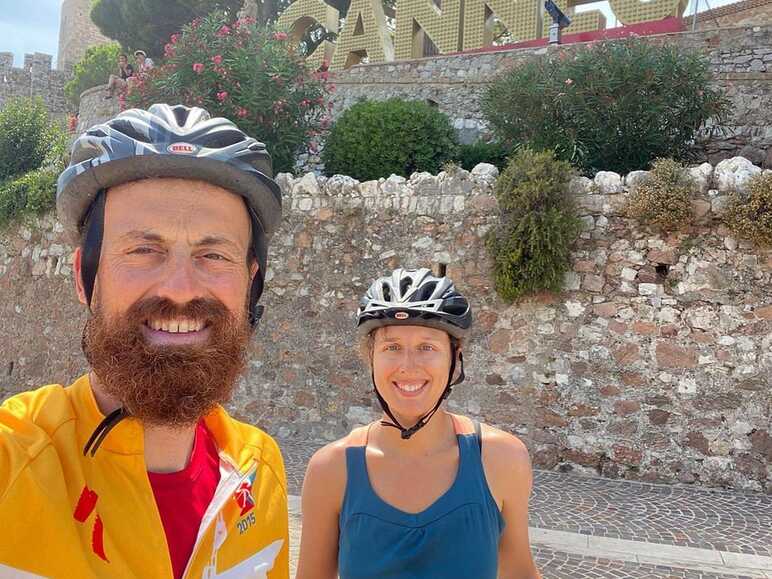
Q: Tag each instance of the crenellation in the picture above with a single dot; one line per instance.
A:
(35, 78)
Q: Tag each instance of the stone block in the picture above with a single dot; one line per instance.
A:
(733, 174)
(670, 355)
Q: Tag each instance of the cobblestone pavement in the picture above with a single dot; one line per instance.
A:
(725, 521)
(559, 565)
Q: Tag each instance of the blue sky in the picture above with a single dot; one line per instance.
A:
(33, 25)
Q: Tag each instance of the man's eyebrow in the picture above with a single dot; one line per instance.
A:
(156, 237)
(141, 235)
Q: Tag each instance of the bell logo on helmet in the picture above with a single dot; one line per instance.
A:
(401, 315)
(182, 149)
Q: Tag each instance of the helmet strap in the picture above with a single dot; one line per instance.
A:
(406, 433)
(91, 248)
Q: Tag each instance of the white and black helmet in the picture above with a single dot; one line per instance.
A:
(167, 141)
(415, 298)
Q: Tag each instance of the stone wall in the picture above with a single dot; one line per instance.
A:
(36, 78)
(740, 57)
(94, 108)
(744, 13)
(653, 364)
(77, 32)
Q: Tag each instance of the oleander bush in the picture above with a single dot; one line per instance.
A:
(245, 72)
(613, 106)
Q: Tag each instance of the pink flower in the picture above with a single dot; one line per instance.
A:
(569, 82)
(280, 36)
(242, 112)
(198, 67)
(221, 96)
(168, 50)
(224, 31)
(217, 59)
(174, 38)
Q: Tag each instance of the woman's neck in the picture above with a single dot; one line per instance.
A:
(438, 434)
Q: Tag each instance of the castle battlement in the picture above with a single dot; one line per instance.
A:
(36, 77)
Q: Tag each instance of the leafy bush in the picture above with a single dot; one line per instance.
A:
(24, 136)
(531, 245)
(246, 73)
(481, 152)
(612, 106)
(94, 69)
(664, 199)
(35, 191)
(374, 139)
(750, 216)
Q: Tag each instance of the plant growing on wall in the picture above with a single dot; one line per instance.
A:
(531, 245)
(94, 69)
(24, 135)
(664, 199)
(374, 139)
(244, 72)
(34, 191)
(750, 216)
(614, 106)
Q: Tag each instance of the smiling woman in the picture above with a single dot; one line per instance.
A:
(466, 514)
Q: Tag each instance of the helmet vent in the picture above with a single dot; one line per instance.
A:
(220, 139)
(405, 283)
(426, 291)
(180, 115)
(127, 128)
(386, 292)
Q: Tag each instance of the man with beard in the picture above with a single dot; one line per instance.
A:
(135, 470)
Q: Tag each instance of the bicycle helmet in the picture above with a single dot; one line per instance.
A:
(167, 141)
(416, 298)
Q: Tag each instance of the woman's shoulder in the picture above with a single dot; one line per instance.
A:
(500, 448)
(329, 462)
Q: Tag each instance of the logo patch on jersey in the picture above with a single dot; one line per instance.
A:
(243, 495)
(182, 149)
(86, 505)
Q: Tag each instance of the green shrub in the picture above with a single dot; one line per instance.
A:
(24, 130)
(750, 216)
(94, 69)
(244, 72)
(664, 200)
(374, 139)
(613, 106)
(481, 152)
(34, 192)
(31, 194)
(531, 245)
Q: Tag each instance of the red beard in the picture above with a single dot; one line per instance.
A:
(167, 385)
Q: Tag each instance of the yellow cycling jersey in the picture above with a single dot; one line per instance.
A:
(63, 514)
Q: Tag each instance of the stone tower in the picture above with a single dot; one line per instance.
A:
(76, 32)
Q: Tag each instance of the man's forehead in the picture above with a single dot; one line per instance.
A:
(161, 207)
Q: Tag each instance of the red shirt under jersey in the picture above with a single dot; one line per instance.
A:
(183, 497)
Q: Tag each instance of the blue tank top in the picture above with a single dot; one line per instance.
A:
(457, 536)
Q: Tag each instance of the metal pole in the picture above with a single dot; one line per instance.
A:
(694, 17)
